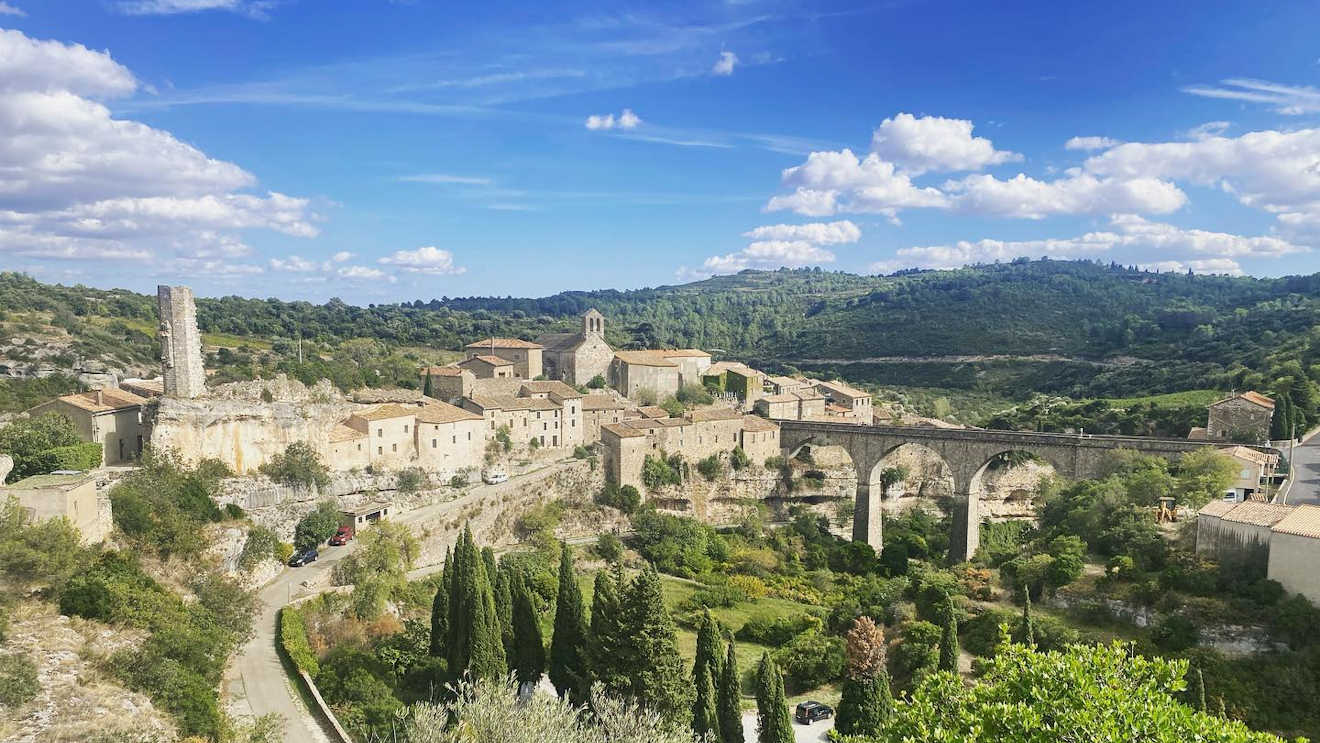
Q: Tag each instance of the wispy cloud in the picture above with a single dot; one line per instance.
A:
(7, 9)
(251, 8)
(725, 64)
(1292, 100)
(465, 180)
(625, 120)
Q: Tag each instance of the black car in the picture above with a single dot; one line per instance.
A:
(302, 558)
(809, 712)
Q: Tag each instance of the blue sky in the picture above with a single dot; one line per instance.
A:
(380, 151)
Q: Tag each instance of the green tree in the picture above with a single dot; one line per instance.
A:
(529, 646)
(710, 650)
(27, 438)
(1027, 632)
(605, 638)
(568, 667)
(440, 606)
(650, 648)
(866, 701)
(475, 643)
(949, 649)
(426, 387)
(298, 464)
(317, 526)
(729, 702)
(705, 715)
(773, 724)
(504, 609)
(1204, 475)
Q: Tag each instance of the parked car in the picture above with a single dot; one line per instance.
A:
(809, 712)
(300, 559)
(494, 477)
(342, 537)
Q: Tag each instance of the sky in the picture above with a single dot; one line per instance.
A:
(384, 151)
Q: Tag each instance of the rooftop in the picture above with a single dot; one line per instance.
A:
(550, 387)
(503, 343)
(443, 412)
(487, 359)
(622, 431)
(441, 371)
(757, 423)
(602, 402)
(1304, 521)
(53, 480)
(839, 388)
(104, 401)
(643, 358)
(385, 412)
(1250, 396)
(509, 402)
(1249, 454)
(341, 433)
(678, 353)
(1216, 508)
(653, 411)
(714, 414)
(1258, 514)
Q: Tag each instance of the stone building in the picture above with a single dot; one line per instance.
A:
(390, 431)
(449, 438)
(1243, 418)
(552, 420)
(1285, 538)
(348, 448)
(577, 358)
(110, 417)
(448, 383)
(180, 343)
(692, 364)
(1255, 468)
(759, 439)
(736, 378)
(53, 496)
(485, 366)
(848, 402)
(1224, 528)
(525, 356)
(781, 385)
(804, 405)
(1295, 552)
(696, 435)
(631, 372)
(598, 409)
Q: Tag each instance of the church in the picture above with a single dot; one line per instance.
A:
(577, 358)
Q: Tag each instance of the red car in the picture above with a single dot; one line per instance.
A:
(342, 536)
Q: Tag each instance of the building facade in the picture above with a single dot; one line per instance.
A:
(110, 417)
(632, 372)
(70, 496)
(577, 358)
(1243, 418)
(525, 356)
(180, 342)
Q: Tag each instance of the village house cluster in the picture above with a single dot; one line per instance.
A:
(1284, 539)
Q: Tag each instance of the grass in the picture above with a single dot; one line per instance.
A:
(1169, 400)
(229, 340)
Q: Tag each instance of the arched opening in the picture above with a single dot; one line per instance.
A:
(913, 475)
(820, 479)
(986, 497)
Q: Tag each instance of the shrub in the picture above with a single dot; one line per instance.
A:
(776, 631)
(811, 659)
(261, 543)
(317, 526)
(413, 479)
(676, 545)
(647, 396)
(981, 632)
(738, 458)
(694, 394)
(658, 472)
(80, 457)
(233, 511)
(597, 382)
(609, 547)
(18, 680)
(1175, 633)
(711, 467)
(293, 640)
(27, 438)
(673, 407)
(625, 498)
(299, 464)
(581, 452)
(775, 463)
(534, 444)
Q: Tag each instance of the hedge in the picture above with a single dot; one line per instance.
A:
(80, 457)
(293, 638)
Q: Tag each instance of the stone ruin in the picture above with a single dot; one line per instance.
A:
(180, 343)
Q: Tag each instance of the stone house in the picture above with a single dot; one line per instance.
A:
(551, 423)
(781, 385)
(792, 406)
(448, 383)
(598, 410)
(759, 439)
(1225, 529)
(847, 402)
(1254, 467)
(347, 448)
(110, 417)
(71, 496)
(634, 371)
(577, 358)
(692, 364)
(449, 438)
(696, 436)
(1295, 552)
(483, 366)
(391, 432)
(736, 378)
(525, 356)
(1243, 418)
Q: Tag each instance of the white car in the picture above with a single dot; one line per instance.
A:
(494, 477)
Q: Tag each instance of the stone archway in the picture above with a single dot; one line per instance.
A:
(971, 487)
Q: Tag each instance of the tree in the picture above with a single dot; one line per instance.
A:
(1204, 475)
(867, 700)
(949, 649)
(528, 657)
(1028, 629)
(504, 609)
(773, 724)
(27, 439)
(650, 648)
(605, 641)
(709, 651)
(729, 702)
(475, 643)
(705, 716)
(317, 526)
(440, 606)
(568, 667)
(426, 387)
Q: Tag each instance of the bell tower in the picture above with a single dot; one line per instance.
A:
(593, 323)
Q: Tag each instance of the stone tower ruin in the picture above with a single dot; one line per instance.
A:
(180, 343)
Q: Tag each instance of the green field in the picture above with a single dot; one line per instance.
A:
(1169, 400)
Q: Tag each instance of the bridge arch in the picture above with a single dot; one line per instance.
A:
(969, 500)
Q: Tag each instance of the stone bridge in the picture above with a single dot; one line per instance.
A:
(968, 454)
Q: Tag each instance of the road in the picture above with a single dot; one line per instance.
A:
(816, 732)
(1306, 473)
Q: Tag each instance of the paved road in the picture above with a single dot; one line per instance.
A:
(816, 732)
(1306, 473)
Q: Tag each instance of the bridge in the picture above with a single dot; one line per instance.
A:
(968, 453)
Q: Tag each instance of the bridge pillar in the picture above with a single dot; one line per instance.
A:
(868, 524)
(966, 527)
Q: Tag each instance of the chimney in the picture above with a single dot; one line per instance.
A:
(99, 398)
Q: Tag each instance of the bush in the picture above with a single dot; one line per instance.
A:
(80, 457)
(1175, 633)
(18, 680)
(597, 382)
(738, 458)
(673, 407)
(658, 472)
(694, 394)
(776, 631)
(459, 481)
(711, 467)
(299, 464)
(647, 396)
(261, 543)
(981, 632)
(581, 452)
(317, 526)
(27, 438)
(608, 547)
(675, 544)
(812, 659)
(776, 462)
(412, 480)
(233, 511)
(293, 640)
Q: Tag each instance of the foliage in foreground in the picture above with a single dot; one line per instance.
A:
(1101, 694)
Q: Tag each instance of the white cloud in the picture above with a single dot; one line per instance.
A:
(625, 120)
(428, 260)
(294, 263)
(1201, 250)
(725, 64)
(769, 254)
(80, 183)
(934, 143)
(820, 233)
(1292, 100)
(7, 9)
(365, 273)
(253, 8)
(341, 256)
(465, 180)
(1090, 143)
(829, 182)
(1208, 129)
(1077, 193)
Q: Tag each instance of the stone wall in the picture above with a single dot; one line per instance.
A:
(181, 343)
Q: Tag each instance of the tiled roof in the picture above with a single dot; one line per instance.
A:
(488, 360)
(643, 358)
(1258, 514)
(622, 431)
(53, 480)
(1216, 508)
(678, 353)
(839, 388)
(1249, 454)
(503, 343)
(713, 414)
(1252, 396)
(509, 402)
(441, 371)
(385, 412)
(653, 411)
(551, 386)
(786, 397)
(143, 387)
(756, 423)
(341, 433)
(1304, 521)
(103, 401)
(602, 402)
(443, 412)
(837, 408)
(1198, 433)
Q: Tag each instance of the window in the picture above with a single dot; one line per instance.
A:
(433, 443)
(455, 440)
(380, 450)
(469, 435)
(394, 448)
(359, 447)
(380, 433)
(405, 428)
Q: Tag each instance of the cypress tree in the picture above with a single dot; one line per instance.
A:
(867, 701)
(440, 607)
(459, 640)
(475, 644)
(603, 642)
(709, 652)
(772, 721)
(488, 560)
(504, 610)
(568, 667)
(949, 640)
(729, 704)
(529, 645)
(1198, 690)
(1028, 626)
(650, 648)
(705, 716)
(1279, 421)
(426, 387)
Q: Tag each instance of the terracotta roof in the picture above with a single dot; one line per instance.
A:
(449, 370)
(551, 386)
(561, 341)
(341, 433)
(1252, 396)
(1198, 433)
(837, 408)
(678, 353)
(622, 431)
(1249, 454)
(487, 359)
(1258, 514)
(443, 412)
(103, 401)
(643, 358)
(773, 399)
(1216, 508)
(384, 412)
(713, 414)
(839, 388)
(756, 423)
(1304, 521)
(602, 402)
(509, 402)
(143, 387)
(503, 343)
(653, 411)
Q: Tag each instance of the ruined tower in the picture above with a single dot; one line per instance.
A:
(180, 343)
